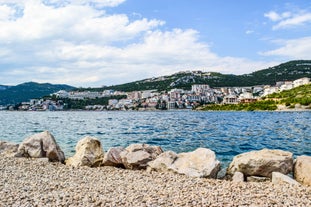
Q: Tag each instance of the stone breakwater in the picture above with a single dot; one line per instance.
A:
(95, 178)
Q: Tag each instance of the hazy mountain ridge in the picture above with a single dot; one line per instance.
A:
(29, 90)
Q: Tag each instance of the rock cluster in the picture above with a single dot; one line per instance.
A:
(31, 182)
(255, 166)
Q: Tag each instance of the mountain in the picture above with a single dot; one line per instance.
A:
(29, 90)
(287, 71)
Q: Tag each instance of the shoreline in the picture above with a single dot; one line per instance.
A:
(31, 182)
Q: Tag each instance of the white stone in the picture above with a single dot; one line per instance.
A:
(163, 162)
(89, 153)
(137, 156)
(262, 163)
(238, 177)
(200, 163)
(279, 178)
(302, 170)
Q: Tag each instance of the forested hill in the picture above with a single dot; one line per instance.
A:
(26, 91)
(287, 71)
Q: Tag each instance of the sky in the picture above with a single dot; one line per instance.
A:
(92, 43)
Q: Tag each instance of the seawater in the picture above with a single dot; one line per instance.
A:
(226, 133)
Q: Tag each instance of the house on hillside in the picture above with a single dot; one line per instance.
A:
(301, 81)
(230, 99)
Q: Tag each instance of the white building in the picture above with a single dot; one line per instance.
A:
(301, 81)
(270, 90)
(287, 86)
(200, 88)
(230, 99)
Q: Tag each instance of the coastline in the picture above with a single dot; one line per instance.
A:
(35, 182)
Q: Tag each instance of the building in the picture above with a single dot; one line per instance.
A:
(301, 81)
(270, 90)
(287, 86)
(200, 88)
(230, 99)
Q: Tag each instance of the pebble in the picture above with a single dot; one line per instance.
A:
(31, 182)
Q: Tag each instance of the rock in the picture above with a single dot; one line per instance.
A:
(89, 153)
(262, 163)
(279, 178)
(41, 145)
(302, 170)
(163, 162)
(257, 179)
(238, 177)
(113, 158)
(136, 156)
(8, 149)
(199, 163)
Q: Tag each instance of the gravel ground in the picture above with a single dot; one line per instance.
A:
(29, 182)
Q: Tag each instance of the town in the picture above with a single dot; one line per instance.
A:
(174, 99)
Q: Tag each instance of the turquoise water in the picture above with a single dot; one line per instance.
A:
(227, 133)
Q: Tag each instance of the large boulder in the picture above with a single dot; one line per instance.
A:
(113, 158)
(200, 163)
(41, 145)
(8, 149)
(163, 162)
(262, 163)
(302, 170)
(89, 153)
(136, 156)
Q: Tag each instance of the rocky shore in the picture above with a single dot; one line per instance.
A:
(36, 173)
(36, 182)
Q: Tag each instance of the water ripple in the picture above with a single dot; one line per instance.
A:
(227, 133)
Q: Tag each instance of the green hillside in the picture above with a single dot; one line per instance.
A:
(300, 95)
(287, 71)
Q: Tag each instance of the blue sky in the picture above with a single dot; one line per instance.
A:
(106, 42)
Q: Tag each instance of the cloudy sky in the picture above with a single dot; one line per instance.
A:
(92, 43)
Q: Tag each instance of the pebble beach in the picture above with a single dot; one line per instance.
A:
(36, 182)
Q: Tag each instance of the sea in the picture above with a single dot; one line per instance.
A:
(226, 133)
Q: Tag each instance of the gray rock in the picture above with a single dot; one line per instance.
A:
(200, 163)
(302, 170)
(136, 156)
(279, 178)
(8, 149)
(89, 153)
(41, 145)
(113, 158)
(262, 163)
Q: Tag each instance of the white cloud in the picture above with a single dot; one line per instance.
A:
(294, 21)
(249, 32)
(77, 43)
(293, 49)
(289, 19)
